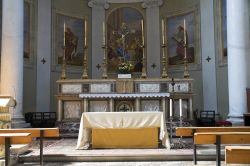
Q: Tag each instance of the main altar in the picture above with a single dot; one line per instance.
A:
(124, 51)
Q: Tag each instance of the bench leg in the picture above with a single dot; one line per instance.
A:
(218, 150)
(41, 147)
(7, 151)
(194, 154)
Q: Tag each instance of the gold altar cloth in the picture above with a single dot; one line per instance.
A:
(120, 120)
(125, 138)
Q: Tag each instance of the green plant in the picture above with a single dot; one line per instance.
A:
(125, 68)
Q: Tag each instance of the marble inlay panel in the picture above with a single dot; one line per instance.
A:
(72, 88)
(149, 87)
(179, 87)
(100, 88)
(98, 106)
(150, 105)
(72, 110)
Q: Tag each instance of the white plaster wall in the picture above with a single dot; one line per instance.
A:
(208, 50)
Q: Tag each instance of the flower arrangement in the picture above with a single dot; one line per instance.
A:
(125, 68)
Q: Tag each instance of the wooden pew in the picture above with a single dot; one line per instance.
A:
(36, 133)
(237, 154)
(189, 132)
(219, 138)
(13, 138)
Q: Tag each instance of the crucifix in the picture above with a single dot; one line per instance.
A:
(124, 108)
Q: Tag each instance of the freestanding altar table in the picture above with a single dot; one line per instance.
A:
(93, 122)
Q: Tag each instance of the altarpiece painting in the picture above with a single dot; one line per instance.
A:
(69, 35)
(124, 37)
(175, 38)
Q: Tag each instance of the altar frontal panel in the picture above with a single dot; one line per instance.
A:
(125, 138)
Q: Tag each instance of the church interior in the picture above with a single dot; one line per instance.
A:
(125, 74)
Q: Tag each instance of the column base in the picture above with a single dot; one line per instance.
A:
(19, 122)
(236, 121)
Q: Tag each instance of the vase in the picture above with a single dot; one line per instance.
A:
(124, 75)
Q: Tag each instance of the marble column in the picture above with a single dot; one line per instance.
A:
(12, 54)
(208, 50)
(98, 17)
(153, 44)
(238, 36)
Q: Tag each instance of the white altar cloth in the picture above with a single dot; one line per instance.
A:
(120, 120)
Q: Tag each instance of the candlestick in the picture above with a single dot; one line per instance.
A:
(85, 33)
(185, 37)
(64, 39)
(142, 32)
(180, 105)
(171, 108)
(103, 35)
(163, 31)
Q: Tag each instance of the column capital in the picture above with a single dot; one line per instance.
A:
(98, 4)
(151, 3)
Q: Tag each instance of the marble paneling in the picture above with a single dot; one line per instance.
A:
(72, 88)
(179, 87)
(149, 87)
(98, 106)
(72, 110)
(100, 88)
(150, 105)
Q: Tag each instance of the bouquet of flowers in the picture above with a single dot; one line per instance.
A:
(125, 68)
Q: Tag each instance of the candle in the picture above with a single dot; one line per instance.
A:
(142, 32)
(180, 103)
(185, 37)
(85, 33)
(103, 35)
(64, 31)
(171, 108)
(163, 31)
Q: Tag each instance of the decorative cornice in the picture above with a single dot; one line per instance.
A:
(151, 3)
(98, 4)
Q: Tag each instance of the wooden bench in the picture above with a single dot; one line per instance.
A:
(36, 133)
(219, 138)
(189, 132)
(13, 138)
(237, 154)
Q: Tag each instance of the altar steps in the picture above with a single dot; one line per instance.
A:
(115, 158)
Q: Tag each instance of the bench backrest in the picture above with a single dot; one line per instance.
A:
(188, 131)
(16, 138)
(35, 132)
(225, 137)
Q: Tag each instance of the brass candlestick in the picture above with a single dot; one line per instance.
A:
(144, 63)
(63, 74)
(186, 74)
(85, 67)
(104, 63)
(164, 62)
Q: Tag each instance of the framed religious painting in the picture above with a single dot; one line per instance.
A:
(28, 46)
(221, 31)
(124, 38)
(69, 40)
(175, 38)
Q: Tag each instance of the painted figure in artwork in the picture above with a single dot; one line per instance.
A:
(179, 39)
(71, 41)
